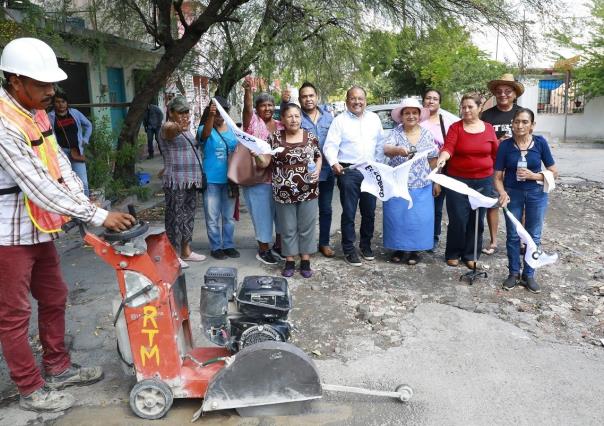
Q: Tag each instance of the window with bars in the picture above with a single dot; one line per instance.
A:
(552, 94)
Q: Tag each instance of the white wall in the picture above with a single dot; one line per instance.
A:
(586, 125)
(114, 56)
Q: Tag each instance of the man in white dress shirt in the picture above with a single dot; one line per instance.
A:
(354, 136)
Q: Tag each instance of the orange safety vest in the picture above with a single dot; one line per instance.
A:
(41, 139)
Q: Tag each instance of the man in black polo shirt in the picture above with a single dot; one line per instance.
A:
(506, 90)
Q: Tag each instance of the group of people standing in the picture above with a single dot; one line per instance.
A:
(493, 152)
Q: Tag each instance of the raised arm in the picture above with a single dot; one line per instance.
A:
(248, 104)
(209, 124)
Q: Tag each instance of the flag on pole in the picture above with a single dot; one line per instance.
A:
(533, 255)
(476, 198)
(386, 182)
(252, 143)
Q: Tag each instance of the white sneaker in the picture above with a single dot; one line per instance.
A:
(183, 264)
(46, 399)
(195, 257)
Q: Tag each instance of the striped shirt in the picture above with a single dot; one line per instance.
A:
(19, 166)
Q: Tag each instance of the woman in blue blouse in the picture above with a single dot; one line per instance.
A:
(408, 231)
(217, 142)
(520, 191)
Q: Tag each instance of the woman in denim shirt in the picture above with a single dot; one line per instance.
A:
(519, 190)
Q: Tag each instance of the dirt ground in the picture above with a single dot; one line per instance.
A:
(364, 305)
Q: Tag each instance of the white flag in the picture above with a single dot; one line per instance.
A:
(386, 182)
(476, 198)
(533, 255)
(378, 180)
(252, 143)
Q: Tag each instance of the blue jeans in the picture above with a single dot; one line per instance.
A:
(325, 197)
(462, 220)
(80, 170)
(260, 204)
(351, 196)
(219, 210)
(534, 204)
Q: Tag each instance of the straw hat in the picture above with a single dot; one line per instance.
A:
(508, 80)
(406, 103)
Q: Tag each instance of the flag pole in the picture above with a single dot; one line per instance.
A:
(474, 274)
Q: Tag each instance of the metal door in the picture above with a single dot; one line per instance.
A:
(117, 94)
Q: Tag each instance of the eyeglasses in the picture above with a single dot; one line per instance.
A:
(355, 99)
(507, 92)
(430, 98)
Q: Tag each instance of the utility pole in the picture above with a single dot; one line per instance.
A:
(522, 43)
(497, 44)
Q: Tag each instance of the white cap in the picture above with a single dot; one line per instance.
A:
(32, 58)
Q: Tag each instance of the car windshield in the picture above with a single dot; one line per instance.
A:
(386, 119)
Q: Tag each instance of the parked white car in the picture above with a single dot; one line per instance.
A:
(384, 112)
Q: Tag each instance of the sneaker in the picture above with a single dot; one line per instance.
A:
(367, 253)
(194, 257)
(75, 375)
(353, 259)
(305, 270)
(47, 399)
(183, 264)
(231, 252)
(531, 285)
(289, 269)
(266, 257)
(277, 253)
(511, 281)
(218, 254)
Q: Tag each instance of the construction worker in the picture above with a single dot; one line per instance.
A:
(38, 192)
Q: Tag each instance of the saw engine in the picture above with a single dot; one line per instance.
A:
(257, 313)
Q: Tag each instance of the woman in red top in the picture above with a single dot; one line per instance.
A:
(470, 150)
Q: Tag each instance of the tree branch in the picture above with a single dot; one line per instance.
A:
(178, 8)
(149, 27)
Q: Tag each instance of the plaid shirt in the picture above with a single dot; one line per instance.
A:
(19, 166)
(181, 167)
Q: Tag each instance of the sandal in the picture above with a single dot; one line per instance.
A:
(491, 249)
(396, 257)
(413, 258)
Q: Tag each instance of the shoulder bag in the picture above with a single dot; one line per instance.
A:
(242, 168)
(233, 187)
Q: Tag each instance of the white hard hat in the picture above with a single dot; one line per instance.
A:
(32, 58)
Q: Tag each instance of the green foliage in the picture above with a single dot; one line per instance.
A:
(102, 158)
(586, 37)
(590, 75)
(442, 57)
(100, 154)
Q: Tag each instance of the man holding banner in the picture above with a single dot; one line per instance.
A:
(355, 136)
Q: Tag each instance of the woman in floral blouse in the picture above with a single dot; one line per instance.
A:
(408, 231)
(295, 189)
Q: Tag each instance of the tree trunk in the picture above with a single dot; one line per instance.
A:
(170, 60)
